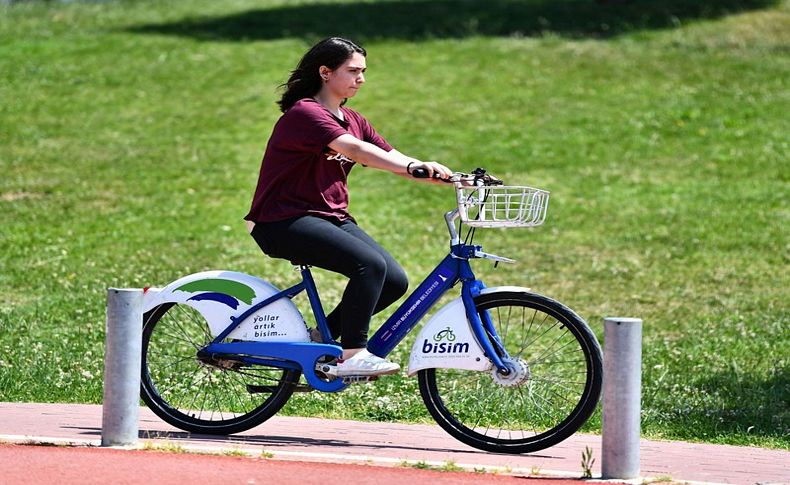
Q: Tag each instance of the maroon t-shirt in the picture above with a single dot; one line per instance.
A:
(300, 174)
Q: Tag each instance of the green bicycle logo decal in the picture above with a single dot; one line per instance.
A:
(446, 333)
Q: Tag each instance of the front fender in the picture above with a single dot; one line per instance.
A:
(220, 295)
(447, 341)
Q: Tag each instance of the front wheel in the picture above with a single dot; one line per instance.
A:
(552, 389)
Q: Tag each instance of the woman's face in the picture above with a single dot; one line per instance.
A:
(345, 81)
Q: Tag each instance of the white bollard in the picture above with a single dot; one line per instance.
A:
(122, 355)
(622, 388)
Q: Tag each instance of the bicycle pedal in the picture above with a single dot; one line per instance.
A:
(331, 371)
(358, 379)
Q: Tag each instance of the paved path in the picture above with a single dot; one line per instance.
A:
(338, 441)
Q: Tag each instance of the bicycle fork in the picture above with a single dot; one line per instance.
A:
(483, 328)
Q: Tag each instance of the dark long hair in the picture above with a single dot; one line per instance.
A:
(305, 80)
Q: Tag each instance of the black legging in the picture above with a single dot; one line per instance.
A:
(376, 280)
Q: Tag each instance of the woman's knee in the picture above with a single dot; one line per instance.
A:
(397, 282)
(395, 286)
(372, 266)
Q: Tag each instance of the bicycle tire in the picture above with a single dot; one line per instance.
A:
(548, 404)
(200, 396)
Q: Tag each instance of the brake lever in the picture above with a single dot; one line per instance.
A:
(488, 180)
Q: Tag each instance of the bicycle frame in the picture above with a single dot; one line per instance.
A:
(302, 356)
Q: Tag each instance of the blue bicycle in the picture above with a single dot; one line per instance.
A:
(501, 369)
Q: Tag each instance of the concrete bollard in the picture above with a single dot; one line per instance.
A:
(123, 346)
(622, 388)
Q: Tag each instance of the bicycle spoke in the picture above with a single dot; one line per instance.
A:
(563, 346)
(559, 383)
(526, 407)
(535, 363)
(529, 330)
(198, 322)
(541, 335)
(191, 403)
(238, 395)
(264, 375)
(174, 337)
(177, 323)
(174, 385)
(160, 364)
(545, 415)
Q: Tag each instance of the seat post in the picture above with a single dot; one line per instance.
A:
(315, 301)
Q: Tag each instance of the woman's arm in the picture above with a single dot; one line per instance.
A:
(392, 161)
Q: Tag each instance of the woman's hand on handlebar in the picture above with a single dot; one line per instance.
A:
(430, 171)
(478, 177)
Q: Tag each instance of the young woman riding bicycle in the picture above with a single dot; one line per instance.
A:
(300, 208)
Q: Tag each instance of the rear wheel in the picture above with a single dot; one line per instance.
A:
(200, 394)
(552, 388)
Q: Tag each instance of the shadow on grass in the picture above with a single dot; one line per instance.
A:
(424, 19)
(758, 403)
(745, 406)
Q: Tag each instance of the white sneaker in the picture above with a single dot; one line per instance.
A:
(363, 363)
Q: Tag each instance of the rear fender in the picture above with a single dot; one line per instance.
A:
(220, 295)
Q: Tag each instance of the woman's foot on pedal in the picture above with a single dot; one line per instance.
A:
(363, 363)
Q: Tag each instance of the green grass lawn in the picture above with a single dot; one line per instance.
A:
(131, 136)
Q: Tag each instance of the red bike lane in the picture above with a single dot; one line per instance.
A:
(87, 466)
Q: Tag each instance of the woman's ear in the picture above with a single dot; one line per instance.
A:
(324, 71)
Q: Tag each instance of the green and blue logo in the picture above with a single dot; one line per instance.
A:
(228, 292)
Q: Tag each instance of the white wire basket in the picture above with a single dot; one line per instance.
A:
(502, 206)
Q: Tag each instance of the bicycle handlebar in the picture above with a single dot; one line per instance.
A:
(421, 173)
(476, 178)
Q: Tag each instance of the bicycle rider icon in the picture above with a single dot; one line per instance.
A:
(446, 333)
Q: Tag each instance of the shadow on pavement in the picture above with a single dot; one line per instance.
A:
(267, 440)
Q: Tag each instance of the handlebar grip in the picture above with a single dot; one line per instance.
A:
(421, 173)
